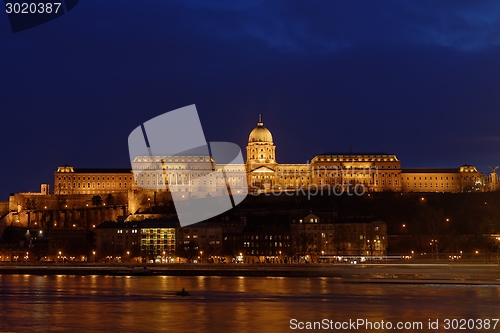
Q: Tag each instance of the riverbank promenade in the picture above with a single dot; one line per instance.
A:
(377, 273)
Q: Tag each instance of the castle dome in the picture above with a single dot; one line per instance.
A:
(260, 133)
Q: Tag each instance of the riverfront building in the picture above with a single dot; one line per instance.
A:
(153, 240)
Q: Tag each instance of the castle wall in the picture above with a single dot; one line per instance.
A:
(73, 219)
(4, 207)
(35, 201)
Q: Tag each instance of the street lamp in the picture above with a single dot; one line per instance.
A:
(201, 255)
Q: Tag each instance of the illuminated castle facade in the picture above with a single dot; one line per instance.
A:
(337, 172)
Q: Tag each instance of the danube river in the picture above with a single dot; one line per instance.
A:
(232, 304)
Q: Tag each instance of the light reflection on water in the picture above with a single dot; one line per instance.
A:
(224, 304)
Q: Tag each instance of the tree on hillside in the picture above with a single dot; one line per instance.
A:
(110, 200)
(96, 200)
(31, 204)
(430, 224)
(187, 249)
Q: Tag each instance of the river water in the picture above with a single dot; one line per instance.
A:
(231, 304)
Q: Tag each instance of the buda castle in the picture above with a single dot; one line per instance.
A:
(201, 175)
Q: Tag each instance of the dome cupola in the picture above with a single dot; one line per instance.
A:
(260, 148)
(260, 133)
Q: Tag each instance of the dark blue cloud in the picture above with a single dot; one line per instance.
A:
(418, 79)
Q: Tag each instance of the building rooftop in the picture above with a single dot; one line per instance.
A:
(153, 223)
(112, 224)
(160, 223)
(324, 216)
(205, 224)
(357, 219)
(430, 170)
(355, 154)
(102, 170)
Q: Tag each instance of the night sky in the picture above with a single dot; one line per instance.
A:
(419, 79)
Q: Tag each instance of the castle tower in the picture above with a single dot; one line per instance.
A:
(45, 189)
(260, 148)
(493, 179)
